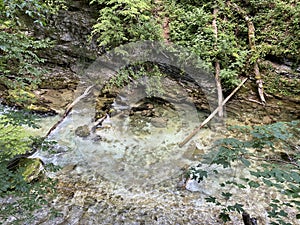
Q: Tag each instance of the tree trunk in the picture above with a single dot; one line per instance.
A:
(161, 15)
(251, 38)
(217, 65)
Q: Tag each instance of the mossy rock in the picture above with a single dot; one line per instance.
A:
(59, 79)
(21, 97)
(31, 168)
(40, 108)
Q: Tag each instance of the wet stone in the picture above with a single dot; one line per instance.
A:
(82, 131)
(159, 122)
(255, 121)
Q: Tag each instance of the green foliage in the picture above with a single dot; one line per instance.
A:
(126, 21)
(18, 117)
(27, 189)
(13, 139)
(26, 197)
(19, 72)
(276, 26)
(19, 50)
(226, 208)
(281, 85)
(197, 174)
(229, 151)
(15, 11)
(18, 64)
(131, 74)
(275, 162)
(191, 26)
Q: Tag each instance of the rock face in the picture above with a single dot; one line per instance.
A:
(70, 29)
(73, 52)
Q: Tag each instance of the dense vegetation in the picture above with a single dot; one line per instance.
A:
(126, 21)
(189, 24)
(20, 68)
(20, 71)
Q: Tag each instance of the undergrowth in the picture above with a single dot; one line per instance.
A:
(271, 154)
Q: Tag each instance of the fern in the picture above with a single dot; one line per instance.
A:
(121, 22)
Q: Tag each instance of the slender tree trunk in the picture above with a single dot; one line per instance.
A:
(191, 135)
(217, 65)
(161, 15)
(251, 38)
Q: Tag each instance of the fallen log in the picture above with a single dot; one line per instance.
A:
(188, 138)
(68, 110)
(98, 123)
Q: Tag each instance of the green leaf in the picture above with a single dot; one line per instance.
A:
(296, 202)
(211, 199)
(267, 182)
(226, 195)
(239, 207)
(245, 162)
(295, 176)
(224, 217)
(253, 184)
(282, 213)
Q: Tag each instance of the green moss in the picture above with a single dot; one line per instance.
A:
(31, 168)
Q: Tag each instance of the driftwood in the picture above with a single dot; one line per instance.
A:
(98, 123)
(217, 65)
(68, 110)
(251, 38)
(211, 115)
(247, 220)
(253, 100)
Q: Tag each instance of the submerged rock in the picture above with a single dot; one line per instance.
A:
(83, 131)
(159, 122)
